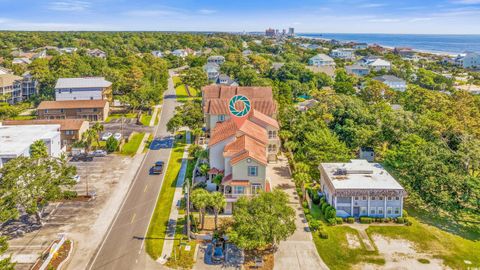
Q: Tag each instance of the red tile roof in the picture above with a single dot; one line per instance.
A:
(228, 129)
(246, 147)
(263, 119)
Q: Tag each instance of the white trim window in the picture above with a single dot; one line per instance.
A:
(373, 211)
(363, 211)
(238, 190)
(221, 118)
(389, 198)
(256, 188)
(373, 198)
(272, 134)
(389, 210)
(397, 211)
(252, 170)
(380, 210)
(364, 198)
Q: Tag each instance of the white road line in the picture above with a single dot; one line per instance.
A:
(145, 190)
(133, 218)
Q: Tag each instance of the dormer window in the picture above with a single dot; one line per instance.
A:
(221, 118)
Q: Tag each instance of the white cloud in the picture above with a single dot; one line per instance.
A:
(69, 5)
(466, 2)
(207, 11)
(384, 20)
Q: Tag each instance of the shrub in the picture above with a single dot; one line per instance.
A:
(310, 193)
(323, 206)
(400, 220)
(350, 220)
(339, 220)
(69, 194)
(111, 144)
(314, 224)
(323, 234)
(404, 213)
(330, 212)
(299, 190)
(365, 220)
(305, 204)
(332, 221)
(322, 200)
(300, 194)
(308, 217)
(316, 198)
(306, 211)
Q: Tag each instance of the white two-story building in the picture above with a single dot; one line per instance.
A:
(93, 88)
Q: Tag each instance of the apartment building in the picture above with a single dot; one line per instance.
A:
(93, 88)
(91, 110)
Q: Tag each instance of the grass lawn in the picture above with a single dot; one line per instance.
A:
(335, 251)
(180, 258)
(131, 147)
(120, 115)
(158, 225)
(181, 91)
(453, 249)
(145, 119)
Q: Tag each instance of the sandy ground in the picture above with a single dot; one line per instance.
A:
(401, 254)
(84, 222)
(353, 241)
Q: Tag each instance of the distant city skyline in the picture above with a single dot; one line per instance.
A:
(306, 16)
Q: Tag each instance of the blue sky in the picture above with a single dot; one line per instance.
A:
(307, 16)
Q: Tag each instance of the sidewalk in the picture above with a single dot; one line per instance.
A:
(172, 221)
(141, 147)
(298, 251)
(154, 115)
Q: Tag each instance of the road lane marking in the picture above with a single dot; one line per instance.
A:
(145, 190)
(133, 218)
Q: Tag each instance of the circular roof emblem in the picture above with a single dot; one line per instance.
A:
(245, 102)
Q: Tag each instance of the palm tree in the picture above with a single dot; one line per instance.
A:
(98, 128)
(204, 168)
(89, 136)
(201, 199)
(196, 133)
(217, 201)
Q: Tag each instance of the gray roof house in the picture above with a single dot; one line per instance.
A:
(393, 82)
(224, 79)
(359, 188)
(321, 60)
(216, 59)
(212, 70)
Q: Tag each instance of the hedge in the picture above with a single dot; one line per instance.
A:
(323, 234)
(365, 220)
(350, 220)
(339, 220)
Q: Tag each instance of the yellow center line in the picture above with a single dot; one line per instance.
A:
(133, 218)
(145, 190)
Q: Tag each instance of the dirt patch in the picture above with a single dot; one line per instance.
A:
(353, 241)
(401, 254)
(252, 260)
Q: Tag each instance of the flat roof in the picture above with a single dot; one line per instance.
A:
(15, 140)
(82, 82)
(359, 174)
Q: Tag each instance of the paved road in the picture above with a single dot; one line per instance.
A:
(123, 246)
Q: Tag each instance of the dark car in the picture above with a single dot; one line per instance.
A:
(157, 168)
(82, 157)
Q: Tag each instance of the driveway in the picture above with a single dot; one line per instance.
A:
(298, 251)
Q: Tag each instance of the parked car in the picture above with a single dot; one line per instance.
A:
(157, 168)
(117, 136)
(99, 153)
(106, 135)
(83, 157)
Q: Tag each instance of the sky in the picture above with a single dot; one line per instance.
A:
(306, 16)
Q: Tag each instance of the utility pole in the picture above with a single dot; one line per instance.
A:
(188, 209)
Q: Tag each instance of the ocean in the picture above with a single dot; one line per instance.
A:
(449, 44)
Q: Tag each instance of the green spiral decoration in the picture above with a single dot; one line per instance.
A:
(246, 105)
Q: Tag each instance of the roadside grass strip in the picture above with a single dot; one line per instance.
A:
(181, 91)
(145, 119)
(131, 147)
(158, 225)
(180, 257)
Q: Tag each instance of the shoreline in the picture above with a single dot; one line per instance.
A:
(438, 53)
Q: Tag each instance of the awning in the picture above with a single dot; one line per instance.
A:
(240, 183)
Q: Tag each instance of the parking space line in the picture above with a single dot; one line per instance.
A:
(145, 190)
(133, 218)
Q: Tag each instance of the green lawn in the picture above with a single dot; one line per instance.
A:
(23, 117)
(158, 225)
(180, 258)
(145, 119)
(120, 115)
(453, 249)
(130, 148)
(334, 250)
(181, 91)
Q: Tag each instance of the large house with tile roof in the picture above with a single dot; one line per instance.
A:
(215, 102)
(240, 153)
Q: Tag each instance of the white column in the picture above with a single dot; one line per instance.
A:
(401, 206)
(368, 205)
(351, 205)
(384, 206)
(335, 203)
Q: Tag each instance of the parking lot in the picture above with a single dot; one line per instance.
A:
(126, 127)
(84, 221)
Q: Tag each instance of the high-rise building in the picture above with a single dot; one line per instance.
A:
(270, 32)
(291, 31)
